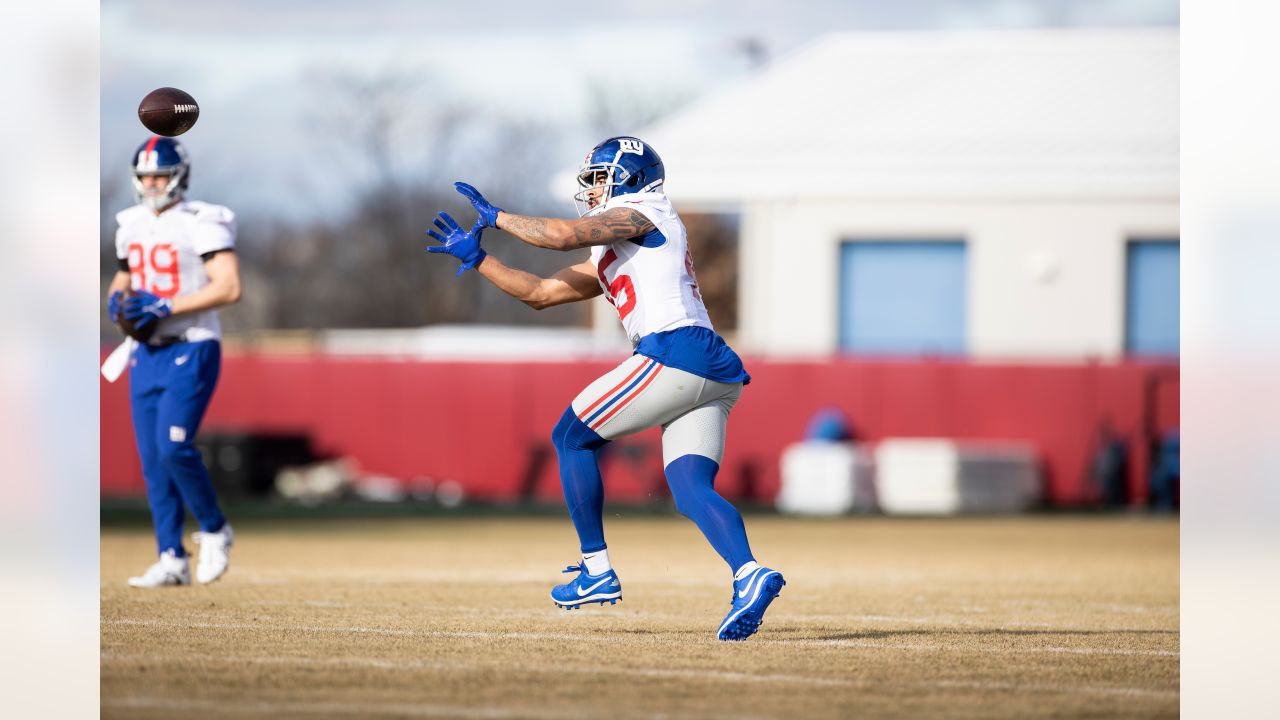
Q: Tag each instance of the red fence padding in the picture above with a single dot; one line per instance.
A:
(488, 425)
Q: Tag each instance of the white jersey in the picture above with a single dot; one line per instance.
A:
(164, 253)
(650, 280)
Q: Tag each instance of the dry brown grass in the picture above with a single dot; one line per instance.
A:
(443, 617)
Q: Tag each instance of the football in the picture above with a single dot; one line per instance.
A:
(168, 111)
(126, 325)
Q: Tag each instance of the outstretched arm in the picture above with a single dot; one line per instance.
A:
(559, 234)
(576, 282)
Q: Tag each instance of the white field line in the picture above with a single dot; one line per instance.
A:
(222, 708)
(939, 621)
(660, 673)
(401, 576)
(1104, 690)
(602, 637)
(558, 669)
(952, 620)
(367, 575)
(1117, 607)
(876, 644)
(358, 630)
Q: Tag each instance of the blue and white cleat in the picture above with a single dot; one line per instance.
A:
(751, 597)
(587, 589)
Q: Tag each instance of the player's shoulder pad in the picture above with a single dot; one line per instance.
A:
(131, 214)
(655, 201)
(647, 204)
(209, 213)
(624, 201)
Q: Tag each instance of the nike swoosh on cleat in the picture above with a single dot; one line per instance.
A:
(582, 592)
(728, 627)
(755, 580)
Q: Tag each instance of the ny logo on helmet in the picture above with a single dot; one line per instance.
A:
(631, 146)
(148, 161)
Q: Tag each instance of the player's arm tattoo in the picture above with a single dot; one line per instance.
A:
(532, 230)
(611, 226)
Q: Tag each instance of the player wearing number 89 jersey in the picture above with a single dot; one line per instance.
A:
(682, 377)
(166, 255)
(177, 260)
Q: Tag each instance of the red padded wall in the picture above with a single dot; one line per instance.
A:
(484, 424)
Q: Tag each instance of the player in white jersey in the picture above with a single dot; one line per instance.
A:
(682, 377)
(177, 259)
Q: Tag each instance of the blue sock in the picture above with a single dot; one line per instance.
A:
(691, 478)
(576, 446)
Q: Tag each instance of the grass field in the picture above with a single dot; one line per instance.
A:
(1045, 616)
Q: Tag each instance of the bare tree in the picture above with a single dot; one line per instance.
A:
(401, 150)
(620, 109)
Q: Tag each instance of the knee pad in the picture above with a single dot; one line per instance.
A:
(571, 434)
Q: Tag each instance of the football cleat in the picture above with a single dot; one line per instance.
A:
(751, 597)
(169, 570)
(215, 553)
(587, 589)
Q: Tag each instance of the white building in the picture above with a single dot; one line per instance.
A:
(979, 193)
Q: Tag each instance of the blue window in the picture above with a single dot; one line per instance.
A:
(903, 297)
(1151, 298)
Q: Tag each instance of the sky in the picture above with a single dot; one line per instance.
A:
(279, 132)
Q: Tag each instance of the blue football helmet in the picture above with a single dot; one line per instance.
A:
(161, 156)
(617, 166)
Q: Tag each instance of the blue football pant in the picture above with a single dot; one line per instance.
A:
(169, 389)
(693, 412)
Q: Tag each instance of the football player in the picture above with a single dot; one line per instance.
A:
(682, 376)
(177, 258)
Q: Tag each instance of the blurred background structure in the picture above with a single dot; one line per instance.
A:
(955, 224)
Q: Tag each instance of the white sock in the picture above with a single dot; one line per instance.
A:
(597, 562)
(746, 569)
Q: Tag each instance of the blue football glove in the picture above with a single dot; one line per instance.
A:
(114, 307)
(487, 211)
(143, 308)
(462, 244)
